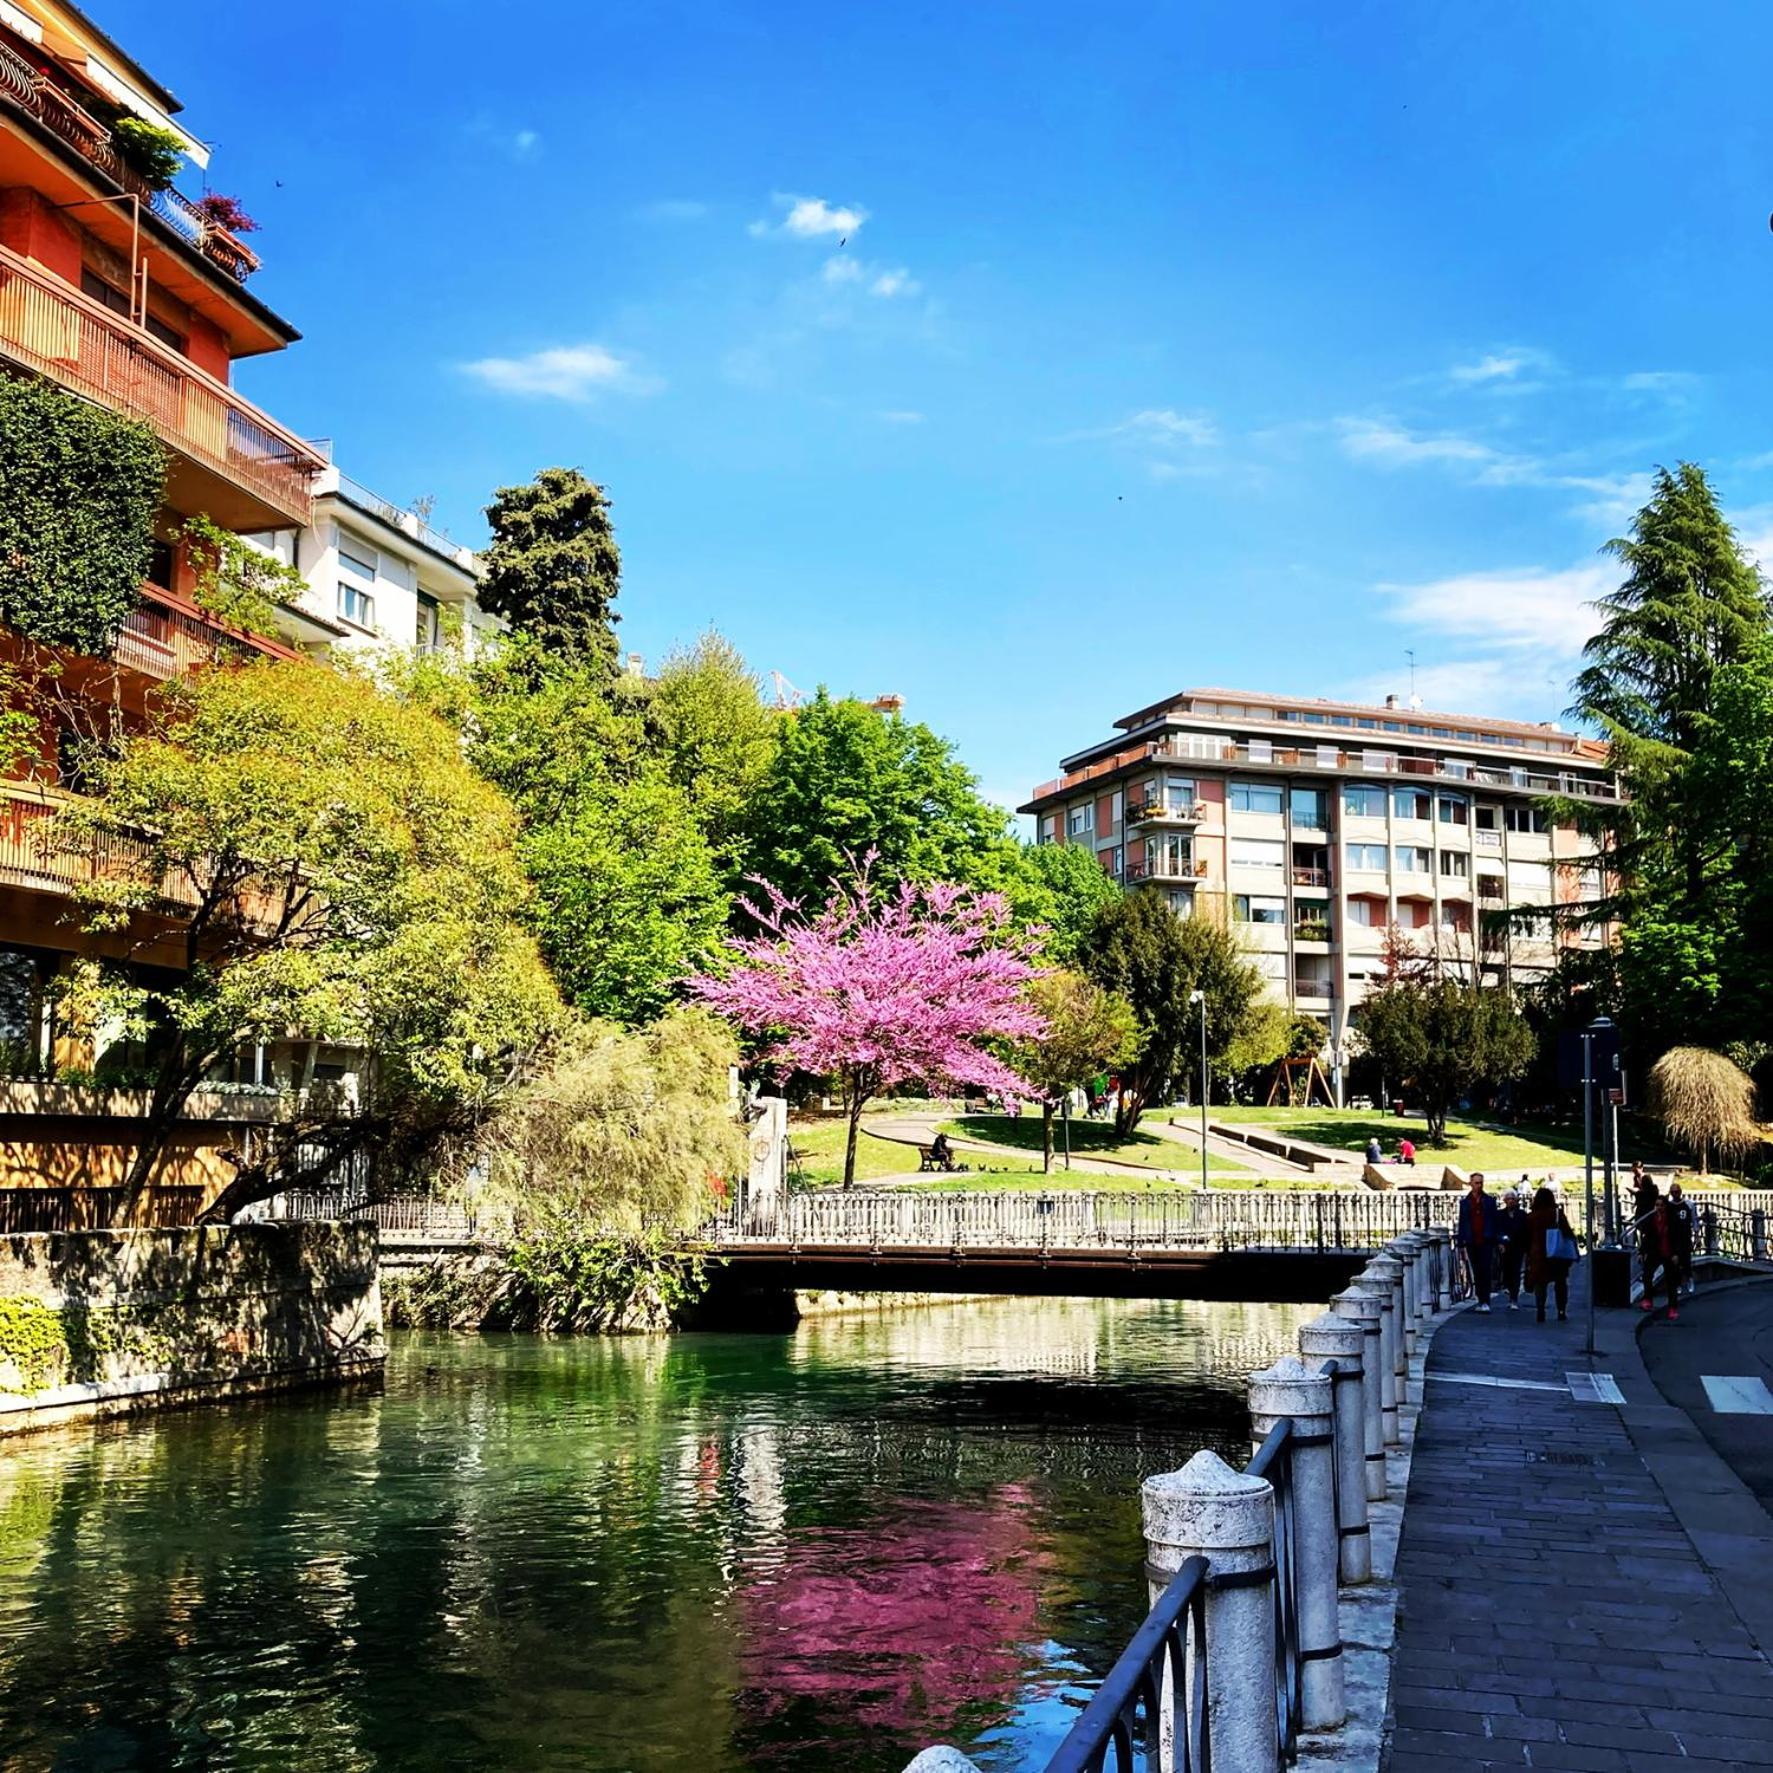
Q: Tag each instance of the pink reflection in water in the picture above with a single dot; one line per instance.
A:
(899, 1623)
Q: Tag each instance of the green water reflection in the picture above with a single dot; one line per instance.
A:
(712, 1552)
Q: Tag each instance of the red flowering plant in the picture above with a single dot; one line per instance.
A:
(881, 988)
(226, 212)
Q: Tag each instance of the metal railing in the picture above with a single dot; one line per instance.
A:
(420, 1218)
(161, 640)
(1168, 1219)
(1177, 868)
(1273, 1461)
(407, 522)
(1155, 1693)
(29, 89)
(34, 854)
(93, 1209)
(52, 329)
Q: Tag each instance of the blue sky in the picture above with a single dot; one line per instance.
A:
(1240, 344)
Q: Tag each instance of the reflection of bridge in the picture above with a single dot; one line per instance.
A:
(1230, 1245)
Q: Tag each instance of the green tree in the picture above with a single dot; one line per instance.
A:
(327, 864)
(847, 781)
(1088, 1030)
(1156, 960)
(1066, 887)
(1441, 1037)
(553, 569)
(79, 488)
(715, 738)
(628, 894)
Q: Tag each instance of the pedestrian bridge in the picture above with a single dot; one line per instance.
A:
(1244, 1244)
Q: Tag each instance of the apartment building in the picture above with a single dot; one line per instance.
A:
(1313, 827)
(121, 291)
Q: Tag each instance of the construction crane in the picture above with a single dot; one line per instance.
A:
(787, 696)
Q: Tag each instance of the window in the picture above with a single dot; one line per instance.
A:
(1117, 807)
(1253, 797)
(1110, 860)
(1455, 864)
(1179, 794)
(1370, 856)
(1311, 808)
(356, 604)
(1410, 803)
(1368, 913)
(1484, 818)
(160, 565)
(1249, 852)
(1452, 809)
(1412, 858)
(1261, 751)
(357, 577)
(1247, 908)
(93, 285)
(1182, 904)
(1362, 801)
(1525, 818)
(1453, 766)
(1049, 827)
(1490, 886)
(430, 628)
(1080, 821)
(1311, 920)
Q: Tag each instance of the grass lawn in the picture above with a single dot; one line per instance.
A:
(817, 1146)
(1089, 1138)
(1469, 1146)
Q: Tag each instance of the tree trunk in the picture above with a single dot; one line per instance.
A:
(1046, 1136)
(849, 1153)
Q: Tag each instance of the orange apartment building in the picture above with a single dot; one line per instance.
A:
(1313, 827)
(134, 298)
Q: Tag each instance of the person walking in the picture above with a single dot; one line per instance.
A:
(1683, 1230)
(1656, 1240)
(1551, 1250)
(1476, 1236)
(1511, 1236)
(1644, 1197)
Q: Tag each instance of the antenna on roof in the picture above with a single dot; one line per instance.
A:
(1410, 654)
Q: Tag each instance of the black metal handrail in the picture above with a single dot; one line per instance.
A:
(1273, 1460)
(1166, 1658)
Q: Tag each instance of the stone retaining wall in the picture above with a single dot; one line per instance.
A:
(97, 1323)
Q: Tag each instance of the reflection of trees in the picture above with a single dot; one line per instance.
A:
(709, 1552)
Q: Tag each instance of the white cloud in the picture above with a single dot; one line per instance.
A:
(902, 416)
(896, 282)
(883, 281)
(811, 218)
(1457, 686)
(1670, 384)
(1536, 609)
(1164, 425)
(563, 372)
(841, 270)
(1377, 440)
(1494, 366)
(521, 145)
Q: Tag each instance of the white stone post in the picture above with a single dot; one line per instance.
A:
(766, 1180)
(1208, 1510)
(1427, 1287)
(1294, 1390)
(1387, 1274)
(942, 1760)
(1404, 1252)
(1364, 1308)
(1342, 1341)
(1443, 1243)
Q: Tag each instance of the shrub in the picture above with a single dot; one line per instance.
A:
(79, 487)
(155, 153)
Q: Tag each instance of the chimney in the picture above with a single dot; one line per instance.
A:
(636, 665)
(1391, 701)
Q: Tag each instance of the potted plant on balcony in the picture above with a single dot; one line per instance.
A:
(223, 211)
(153, 153)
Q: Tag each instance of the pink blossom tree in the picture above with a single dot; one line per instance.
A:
(881, 989)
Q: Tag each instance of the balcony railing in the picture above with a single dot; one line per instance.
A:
(54, 330)
(1321, 989)
(1311, 932)
(1156, 812)
(32, 855)
(28, 89)
(1311, 877)
(1177, 868)
(161, 639)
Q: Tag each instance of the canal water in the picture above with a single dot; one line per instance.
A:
(816, 1551)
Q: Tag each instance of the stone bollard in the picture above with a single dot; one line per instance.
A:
(1428, 1292)
(1757, 1233)
(1343, 1341)
(1386, 1273)
(1405, 1251)
(1365, 1308)
(942, 1760)
(1443, 1248)
(1295, 1391)
(1208, 1510)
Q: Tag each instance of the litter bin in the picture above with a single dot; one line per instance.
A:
(1611, 1277)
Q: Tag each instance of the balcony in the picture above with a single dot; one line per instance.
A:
(33, 858)
(1310, 930)
(1311, 877)
(28, 89)
(1157, 812)
(165, 637)
(1312, 990)
(240, 466)
(1179, 869)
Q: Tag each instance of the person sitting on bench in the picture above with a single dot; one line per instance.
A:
(941, 1154)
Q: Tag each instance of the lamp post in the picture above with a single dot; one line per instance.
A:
(1200, 997)
(1600, 1025)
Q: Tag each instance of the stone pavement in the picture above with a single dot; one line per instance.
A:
(1555, 1608)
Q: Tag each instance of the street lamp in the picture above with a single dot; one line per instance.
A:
(1200, 997)
(1601, 1025)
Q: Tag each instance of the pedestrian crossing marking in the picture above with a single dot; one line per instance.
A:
(1594, 1388)
(1744, 1396)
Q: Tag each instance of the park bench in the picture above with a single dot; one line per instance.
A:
(928, 1160)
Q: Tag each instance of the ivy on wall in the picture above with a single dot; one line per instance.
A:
(79, 487)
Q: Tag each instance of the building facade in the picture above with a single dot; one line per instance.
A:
(122, 292)
(1316, 828)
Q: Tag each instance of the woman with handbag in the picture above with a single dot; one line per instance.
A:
(1657, 1238)
(1551, 1250)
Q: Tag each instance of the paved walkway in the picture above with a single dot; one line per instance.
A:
(1583, 1585)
